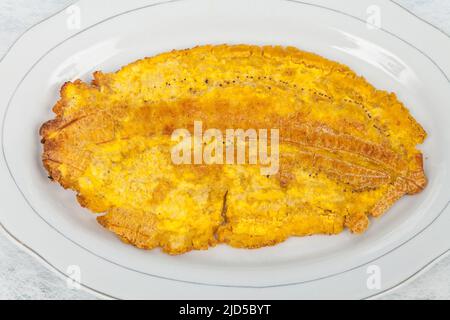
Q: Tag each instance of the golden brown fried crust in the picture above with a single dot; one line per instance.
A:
(347, 150)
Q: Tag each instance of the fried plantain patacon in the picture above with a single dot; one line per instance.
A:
(347, 151)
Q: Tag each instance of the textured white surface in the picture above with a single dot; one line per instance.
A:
(23, 277)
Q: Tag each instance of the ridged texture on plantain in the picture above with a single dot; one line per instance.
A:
(347, 150)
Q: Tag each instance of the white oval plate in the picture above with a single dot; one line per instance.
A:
(49, 221)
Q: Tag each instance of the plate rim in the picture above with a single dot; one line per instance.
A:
(31, 251)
